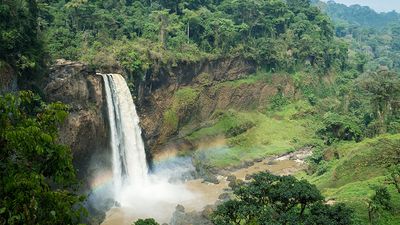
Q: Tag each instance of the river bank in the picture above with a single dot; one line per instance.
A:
(206, 194)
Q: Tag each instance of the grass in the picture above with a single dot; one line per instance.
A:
(271, 135)
(259, 76)
(183, 99)
(360, 166)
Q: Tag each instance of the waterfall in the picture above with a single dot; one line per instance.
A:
(128, 154)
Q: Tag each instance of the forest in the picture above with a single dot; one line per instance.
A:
(343, 63)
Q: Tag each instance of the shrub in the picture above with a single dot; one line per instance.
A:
(337, 127)
(145, 222)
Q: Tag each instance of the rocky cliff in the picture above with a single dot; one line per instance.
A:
(8, 78)
(86, 128)
(172, 101)
(187, 95)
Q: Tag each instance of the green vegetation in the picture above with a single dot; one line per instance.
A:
(145, 222)
(267, 199)
(37, 177)
(183, 100)
(373, 38)
(356, 15)
(20, 42)
(352, 171)
(344, 76)
(260, 135)
(136, 34)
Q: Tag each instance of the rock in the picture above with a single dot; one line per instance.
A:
(208, 210)
(231, 178)
(224, 196)
(192, 218)
(156, 93)
(211, 179)
(248, 177)
(258, 160)
(86, 128)
(249, 163)
(235, 183)
(180, 208)
(8, 78)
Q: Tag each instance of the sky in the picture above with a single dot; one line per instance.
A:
(377, 5)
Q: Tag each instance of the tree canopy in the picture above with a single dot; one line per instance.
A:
(37, 179)
(271, 199)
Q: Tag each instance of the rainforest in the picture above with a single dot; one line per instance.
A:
(199, 112)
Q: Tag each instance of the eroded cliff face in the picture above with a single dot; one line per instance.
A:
(175, 100)
(8, 78)
(172, 101)
(86, 128)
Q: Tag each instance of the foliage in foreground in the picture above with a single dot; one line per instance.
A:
(36, 173)
(270, 199)
(145, 222)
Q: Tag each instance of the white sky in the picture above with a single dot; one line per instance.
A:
(378, 5)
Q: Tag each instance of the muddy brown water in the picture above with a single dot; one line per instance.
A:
(204, 193)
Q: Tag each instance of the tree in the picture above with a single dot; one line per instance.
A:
(145, 222)
(37, 179)
(270, 199)
(380, 200)
(20, 44)
(394, 176)
(338, 127)
(382, 88)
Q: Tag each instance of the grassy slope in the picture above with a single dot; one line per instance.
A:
(347, 179)
(272, 133)
(359, 167)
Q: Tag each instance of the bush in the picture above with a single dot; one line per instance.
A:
(337, 127)
(145, 222)
(279, 101)
(239, 129)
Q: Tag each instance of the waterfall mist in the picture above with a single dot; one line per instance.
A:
(144, 194)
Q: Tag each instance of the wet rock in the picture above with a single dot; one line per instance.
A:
(193, 218)
(208, 210)
(248, 177)
(258, 160)
(224, 196)
(231, 178)
(234, 184)
(211, 179)
(85, 130)
(180, 208)
(8, 79)
(249, 163)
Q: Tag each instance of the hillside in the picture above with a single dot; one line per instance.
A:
(358, 15)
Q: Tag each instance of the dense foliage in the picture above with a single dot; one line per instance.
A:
(134, 34)
(358, 15)
(373, 38)
(347, 72)
(270, 199)
(145, 222)
(20, 42)
(36, 173)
